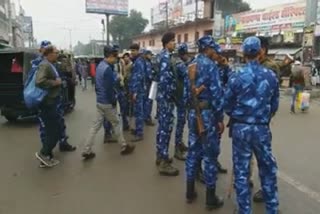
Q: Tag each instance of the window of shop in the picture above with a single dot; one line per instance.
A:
(143, 44)
(179, 38)
(185, 37)
(208, 32)
(196, 36)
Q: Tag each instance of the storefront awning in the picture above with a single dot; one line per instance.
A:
(284, 51)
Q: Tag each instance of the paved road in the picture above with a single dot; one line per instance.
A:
(113, 184)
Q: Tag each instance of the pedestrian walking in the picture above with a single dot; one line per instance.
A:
(106, 81)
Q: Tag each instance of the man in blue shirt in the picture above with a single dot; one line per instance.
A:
(251, 99)
(106, 83)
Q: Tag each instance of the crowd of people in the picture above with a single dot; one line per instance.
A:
(202, 89)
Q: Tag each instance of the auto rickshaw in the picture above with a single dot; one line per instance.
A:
(15, 65)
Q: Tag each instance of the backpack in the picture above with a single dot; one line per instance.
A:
(32, 94)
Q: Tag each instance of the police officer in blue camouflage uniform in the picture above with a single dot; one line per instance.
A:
(182, 80)
(209, 95)
(64, 146)
(149, 77)
(43, 45)
(166, 98)
(138, 92)
(251, 99)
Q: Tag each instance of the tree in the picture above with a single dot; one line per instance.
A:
(232, 6)
(123, 29)
(88, 49)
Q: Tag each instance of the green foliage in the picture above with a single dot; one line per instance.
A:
(123, 29)
(232, 6)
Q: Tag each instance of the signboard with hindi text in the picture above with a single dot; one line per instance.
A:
(275, 19)
(111, 7)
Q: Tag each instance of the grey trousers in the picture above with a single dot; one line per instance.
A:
(109, 113)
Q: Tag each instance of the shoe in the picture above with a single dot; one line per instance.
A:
(46, 161)
(166, 169)
(126, 128)
(212, 200)
(137, 138)
(170, 160)
(258, 197)
(292, 111)
(221, 170)
(191, 194)
(66, 147)
(149, 122)
(180, 154)
(127, 149)
(88, 156)
(183, 147)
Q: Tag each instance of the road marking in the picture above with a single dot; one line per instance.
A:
(299, 186)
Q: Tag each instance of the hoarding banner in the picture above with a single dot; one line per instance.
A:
(26, 22)
(111, 7)
(278, 18)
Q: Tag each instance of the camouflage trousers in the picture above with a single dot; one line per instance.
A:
(248, 140)
(206, 147)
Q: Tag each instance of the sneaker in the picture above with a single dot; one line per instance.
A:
(127, 149)
(166, 169)
(45, 160)
(66, 147)
(88, 155)
(54, 162)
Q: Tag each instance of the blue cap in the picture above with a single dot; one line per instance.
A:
(251, 45)
(45, 44)
(183, 48)
(217, 48)
(145, 52)
(115, 47)
(205, 42)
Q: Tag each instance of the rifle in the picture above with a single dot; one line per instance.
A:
(192, 71)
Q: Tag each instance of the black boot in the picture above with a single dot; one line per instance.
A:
(191, 194)
(213, 201)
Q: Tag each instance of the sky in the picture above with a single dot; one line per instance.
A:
(55, 20)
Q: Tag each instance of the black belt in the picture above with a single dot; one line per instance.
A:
(234, 121)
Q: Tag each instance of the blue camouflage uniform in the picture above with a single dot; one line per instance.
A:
(138, 89)
(182, 76)
(206, 146)
(251, 98)
(165, 104)
(148, 81)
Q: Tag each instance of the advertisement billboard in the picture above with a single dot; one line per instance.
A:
(111, 7)
(285, 17)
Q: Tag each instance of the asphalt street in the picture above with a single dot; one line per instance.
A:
(131, 185)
